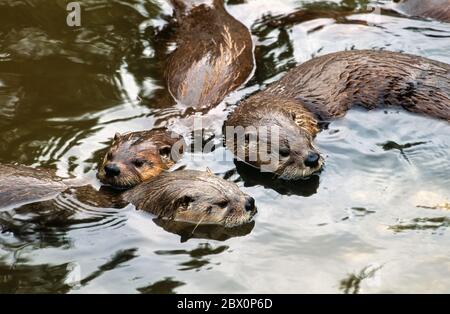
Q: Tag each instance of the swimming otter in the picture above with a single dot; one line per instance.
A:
(138, 156)
(436, 9)
(214, 54)
(325, 88)
(188, 196)
(195, 197)
(21, 185)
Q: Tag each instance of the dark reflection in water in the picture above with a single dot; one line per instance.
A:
(165, 286)
(64, 92)
(197, 255)
(116, 261)
(33, 278)
(188, 231)
(51, 72)
(252, 177)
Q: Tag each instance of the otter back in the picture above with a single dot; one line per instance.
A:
(20, 185)
(214, 54)
(436, 9)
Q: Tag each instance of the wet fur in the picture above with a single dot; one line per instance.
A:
(326, 87)
(171, 193)
(436, 9)
(214, 54)
(20, 184)
(146, 145)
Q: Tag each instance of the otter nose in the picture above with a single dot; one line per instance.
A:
(249, 204)
(112, 170)
(312, 160)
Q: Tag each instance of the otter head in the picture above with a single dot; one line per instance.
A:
(278, 138)
(138, 156)
(194, 197)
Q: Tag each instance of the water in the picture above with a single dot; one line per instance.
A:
(375, 220)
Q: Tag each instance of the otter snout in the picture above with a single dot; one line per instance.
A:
(112, 170)
(250, 204)
(312, 160)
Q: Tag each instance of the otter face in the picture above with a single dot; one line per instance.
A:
(194, 197)
(136, 157)
(280, 142)
(297, 156)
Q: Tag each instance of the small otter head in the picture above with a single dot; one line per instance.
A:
(194, 197)
(278, 138)
(138, 156)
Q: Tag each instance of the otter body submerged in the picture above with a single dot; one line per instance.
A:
(436, 9)
(187, 195)
(213, 55)
(327, 87)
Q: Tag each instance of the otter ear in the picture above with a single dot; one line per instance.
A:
(117, 136)
(208, 171)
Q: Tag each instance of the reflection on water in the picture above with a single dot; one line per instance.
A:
(382, 198)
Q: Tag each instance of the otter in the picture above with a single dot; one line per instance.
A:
(22, 185)
(187, 195)
(319, 90)
(136, 157)
(195, 197)
(435, 9)
(213, 55)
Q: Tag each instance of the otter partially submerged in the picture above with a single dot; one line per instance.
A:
(188, 196)
(138, 156)
(21, 185)
(327, 87)
(195, 197)
(436, 9)
(213, 55)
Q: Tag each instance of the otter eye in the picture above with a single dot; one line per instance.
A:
(109, 156)
(138, 162)
(222, 204)
(284, 152)
(185, 202)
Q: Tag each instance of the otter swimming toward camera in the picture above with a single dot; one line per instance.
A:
(138, 156)
(187, 195)
(324, 88)
(435, 9)
(195, 197)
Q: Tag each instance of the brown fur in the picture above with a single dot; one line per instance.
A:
(187, 196)
(20, 184)
(214, 54)
(153, 149)
(327, 87)
(192, 196)
(436, 9)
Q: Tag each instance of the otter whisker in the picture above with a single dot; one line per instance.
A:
(196, 226)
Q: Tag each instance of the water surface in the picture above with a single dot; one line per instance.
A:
(376, 219)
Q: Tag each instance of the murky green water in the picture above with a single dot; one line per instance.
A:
(376, 220)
